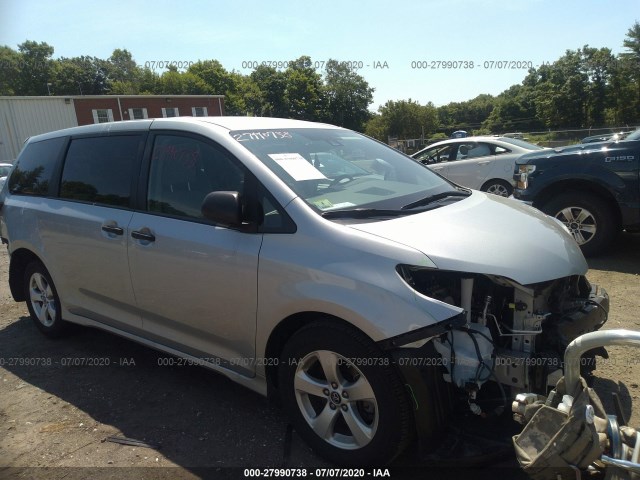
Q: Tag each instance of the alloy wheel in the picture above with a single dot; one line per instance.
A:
(580, 222)
(336, 400)
(42, 299)
(498, 189)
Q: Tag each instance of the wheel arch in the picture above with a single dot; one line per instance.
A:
(580, 187)
(281, 334)
(20, 258)
(484, 186)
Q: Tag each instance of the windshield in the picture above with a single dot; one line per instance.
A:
(633, 136)
(336, 169)
(521, 143)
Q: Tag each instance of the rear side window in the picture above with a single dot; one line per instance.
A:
(35, 167)
(100, 169)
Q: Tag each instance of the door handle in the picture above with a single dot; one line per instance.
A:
(144, 235)
(112, 229)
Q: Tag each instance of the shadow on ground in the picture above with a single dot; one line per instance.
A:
(623, 255)
(200, 421)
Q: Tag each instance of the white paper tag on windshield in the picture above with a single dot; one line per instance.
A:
(297, 166)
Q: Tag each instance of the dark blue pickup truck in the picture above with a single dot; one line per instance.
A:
(594, 189)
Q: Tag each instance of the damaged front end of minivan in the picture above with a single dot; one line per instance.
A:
(508, 339)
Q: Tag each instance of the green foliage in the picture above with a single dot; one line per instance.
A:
(376, 127)
(10, 67)
(466, 115)
(272, 85)
(79, 76)
(348, 96)
(303, 90)
(34, 68)
(584, 88)
(403, 119)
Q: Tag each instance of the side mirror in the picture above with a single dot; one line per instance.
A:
(223, 208)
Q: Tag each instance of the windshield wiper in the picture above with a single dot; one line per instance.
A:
(434, 198)
(363, 213)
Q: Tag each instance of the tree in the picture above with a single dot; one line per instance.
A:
(303, 90)
(214, 75)
(35, 68)
(630, 64)
(248, 96)
(272, 85)
(377, 128)
(514, 110)
(405, 119)
(10, 68)
(598, 65)
(123, 66)
(467, 115)
(222, 82)
(79, 76)
(173, 82)
(347, 95)
(561, 91)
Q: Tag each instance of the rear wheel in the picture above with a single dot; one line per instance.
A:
(498, 187)
(343, 395)
(589, 219)
(43, 301)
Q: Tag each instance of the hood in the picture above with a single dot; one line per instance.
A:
(490, 235)
(581, 148)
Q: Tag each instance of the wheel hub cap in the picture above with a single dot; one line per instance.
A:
(336, 400)
(580, 222)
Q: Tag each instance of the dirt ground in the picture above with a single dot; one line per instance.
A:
(56, 414)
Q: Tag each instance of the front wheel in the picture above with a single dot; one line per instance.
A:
(43, 301)
(498, 187)
(344, 396)
(588, 218)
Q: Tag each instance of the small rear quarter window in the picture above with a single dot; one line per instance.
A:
(35, 166)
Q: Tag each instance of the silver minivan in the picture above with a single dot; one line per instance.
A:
(371, 296)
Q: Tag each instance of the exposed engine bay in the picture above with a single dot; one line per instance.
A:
(512, 336)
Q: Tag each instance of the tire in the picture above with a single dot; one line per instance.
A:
(43, 301)
(367, 418)
(498, 187)
(589, 219)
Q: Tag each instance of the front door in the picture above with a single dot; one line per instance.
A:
(195, 283)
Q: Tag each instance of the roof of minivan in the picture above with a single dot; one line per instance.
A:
(230, 123)
(243, 123)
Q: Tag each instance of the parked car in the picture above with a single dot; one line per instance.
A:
(594, 189)
(481, 163)
(355, 294)
(459, 134)
(4, 171)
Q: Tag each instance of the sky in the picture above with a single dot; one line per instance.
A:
(436, 51)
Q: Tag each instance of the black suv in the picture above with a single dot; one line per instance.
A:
(594, 189)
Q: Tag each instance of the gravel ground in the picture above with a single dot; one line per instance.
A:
(55, 417)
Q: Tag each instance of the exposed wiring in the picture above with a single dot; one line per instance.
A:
(452, 357)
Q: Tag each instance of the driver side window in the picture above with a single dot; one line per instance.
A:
(184, 170)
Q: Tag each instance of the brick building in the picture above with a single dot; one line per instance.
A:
(23, 117)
